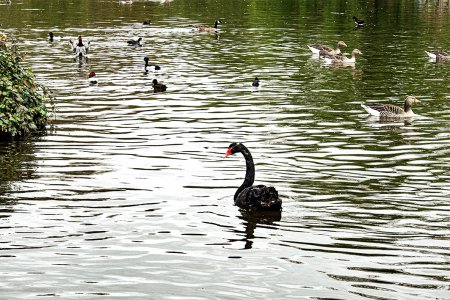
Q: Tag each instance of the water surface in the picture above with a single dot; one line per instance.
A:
(129, 194)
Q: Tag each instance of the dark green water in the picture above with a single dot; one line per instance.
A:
(130, 195)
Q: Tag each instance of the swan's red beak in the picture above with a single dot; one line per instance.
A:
(228, 152)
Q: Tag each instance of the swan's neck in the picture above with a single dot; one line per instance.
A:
(249, 172)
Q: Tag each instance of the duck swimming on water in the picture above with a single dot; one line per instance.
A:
(79, 48)
(158, 87)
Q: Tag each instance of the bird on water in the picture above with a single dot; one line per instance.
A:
(392, 111)
(249, 196)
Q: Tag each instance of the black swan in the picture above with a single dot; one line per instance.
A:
(255, 82)
(249, 196)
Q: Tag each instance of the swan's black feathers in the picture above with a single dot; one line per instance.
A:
(259, 197)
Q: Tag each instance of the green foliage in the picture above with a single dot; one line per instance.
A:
(22, 101)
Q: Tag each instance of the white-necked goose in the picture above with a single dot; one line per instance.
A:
(320, 49)
(391, 111)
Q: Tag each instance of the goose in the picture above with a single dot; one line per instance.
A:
(79, 48)
(391, 111)
(326, 50)
(146, 59)
(255, 82)
(358, 22)
(134, 42)
(205, 28)
(437, 54)
(92, 79)
(341, 59)
(158, 87)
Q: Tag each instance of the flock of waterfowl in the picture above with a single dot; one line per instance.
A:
(260, 197)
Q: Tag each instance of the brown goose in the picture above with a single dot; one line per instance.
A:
(205, 28)
(327, 50)
(438, 54)
(391, 111)
(341, 59)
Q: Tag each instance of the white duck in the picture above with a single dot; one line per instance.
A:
(326, 50)
(391, 111)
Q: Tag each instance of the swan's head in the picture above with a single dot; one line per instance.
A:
(139, 39)
(51, 34)
(341, 44)
(146, 59)
(155, 82)
(233, 148)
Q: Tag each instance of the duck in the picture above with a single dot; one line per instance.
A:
(158, 87)
(134, 42)
(52, 37)
(205, 28)
(390, 110)
(437, 54)
(147, 22)
(255, 82)
(341, 59)
(146, 60)
(79, 48)
(92, 79)
(253, 197)
(327, 50)
(358, 22)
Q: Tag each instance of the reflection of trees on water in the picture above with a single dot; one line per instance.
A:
(253, 219)
(17, 162)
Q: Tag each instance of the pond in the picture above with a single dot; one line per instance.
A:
(129, 195)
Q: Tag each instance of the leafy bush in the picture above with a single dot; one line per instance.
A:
(22, 101)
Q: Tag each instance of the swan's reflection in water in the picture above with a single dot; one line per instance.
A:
(253, 218)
